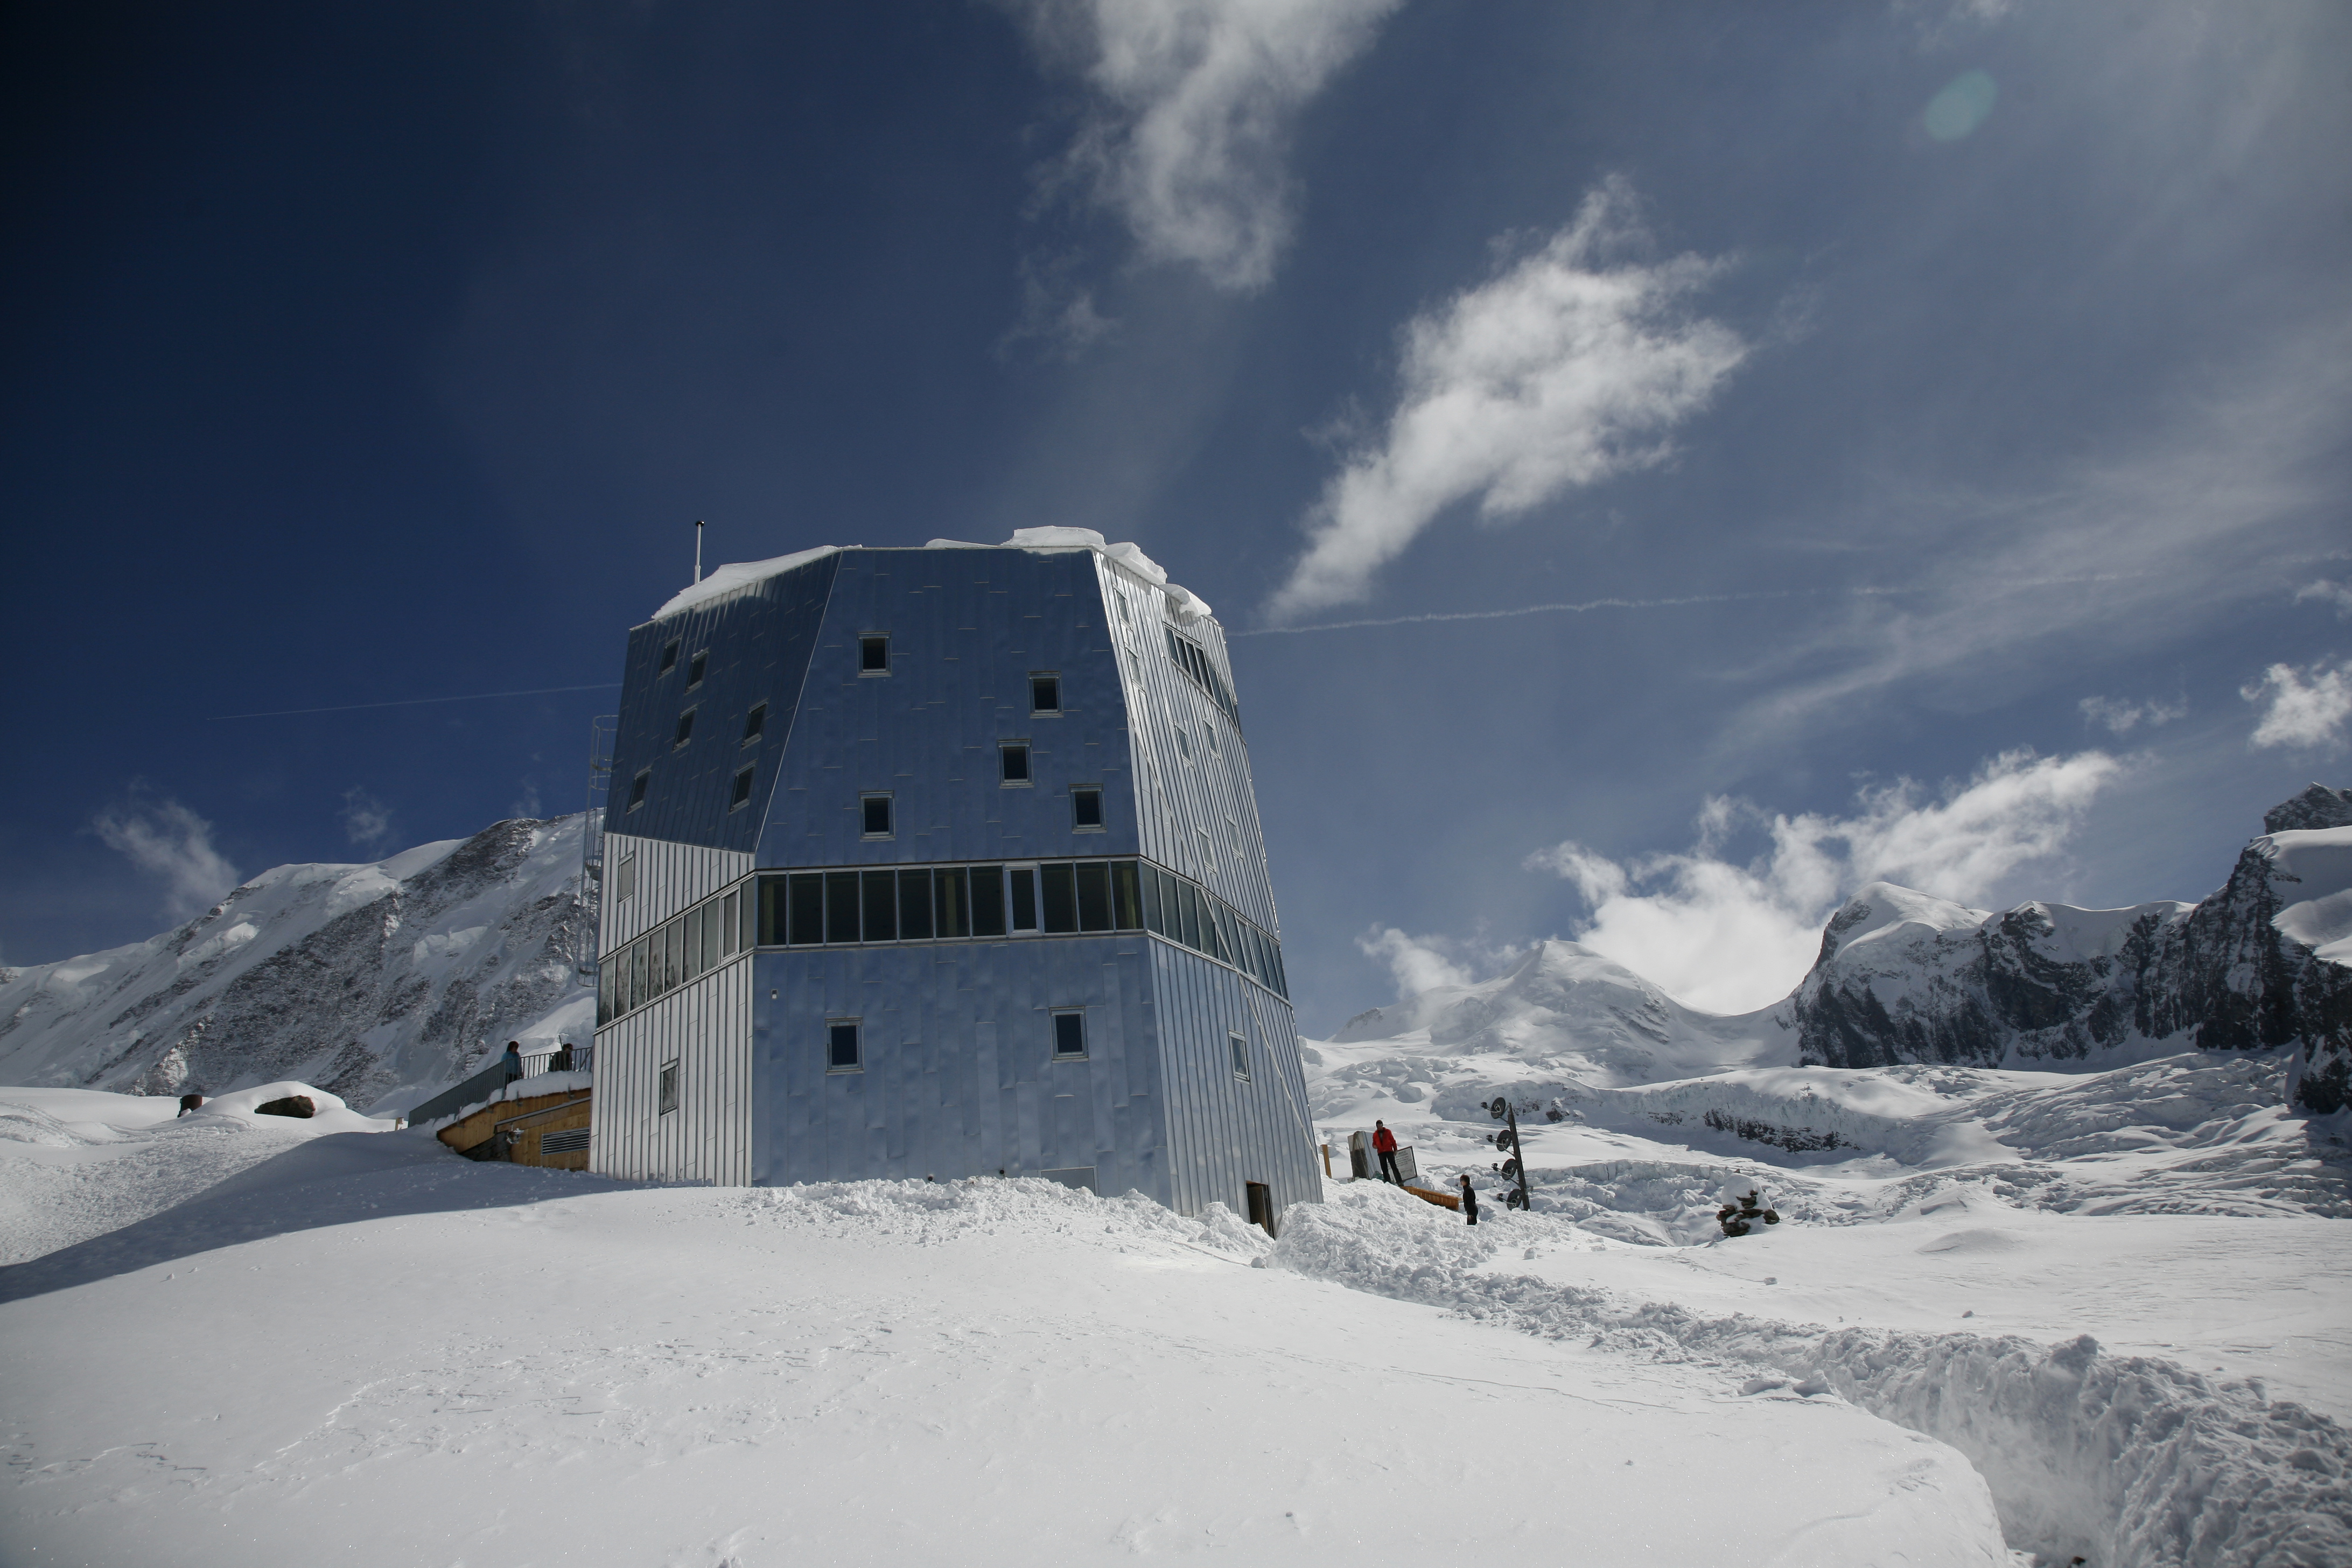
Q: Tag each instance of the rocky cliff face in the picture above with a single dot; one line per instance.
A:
(2260, 965)
(375, 982)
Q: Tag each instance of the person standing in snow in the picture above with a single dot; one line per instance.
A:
(513, 1061)
(1469, 1199)
(1385, 1142)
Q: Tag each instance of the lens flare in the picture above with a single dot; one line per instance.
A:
(1961, 107)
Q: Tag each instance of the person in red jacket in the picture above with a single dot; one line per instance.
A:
(1385, 1142)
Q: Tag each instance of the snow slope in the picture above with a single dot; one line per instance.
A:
(383, 982)
(369, 1349)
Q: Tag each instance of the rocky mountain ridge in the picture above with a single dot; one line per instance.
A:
(2259, 965)
(377, 983)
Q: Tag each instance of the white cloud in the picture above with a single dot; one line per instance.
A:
(1196, 102)
(2336, 594)
(1557, 373)
(166, 839)
(1730, 937)
(2306, 707)
(366, 820)
(2121, 717)
(1419, 963)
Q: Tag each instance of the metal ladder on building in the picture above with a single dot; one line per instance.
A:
(601, 731)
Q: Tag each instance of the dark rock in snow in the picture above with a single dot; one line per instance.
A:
(300, 1106)
(1905, 977)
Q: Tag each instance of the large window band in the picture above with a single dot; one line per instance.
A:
(933, 903)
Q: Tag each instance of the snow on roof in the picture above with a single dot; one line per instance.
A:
(741, 575)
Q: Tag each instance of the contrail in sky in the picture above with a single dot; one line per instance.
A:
(1581, 607)
(1576, 608)
(420, 701)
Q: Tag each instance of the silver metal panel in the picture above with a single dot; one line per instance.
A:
(1223, 1132)
(669, 877)
(704, 1028)
(959, 1076)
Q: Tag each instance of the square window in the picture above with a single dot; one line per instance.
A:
(666, 1091)
(685, 729)
(1012, 762)
(694, 669)
(874, 655)
(1070, 1032)
(1085, 810)
(1045, 694)
(742, 795)
(1241, 1056)
(669, 656)
(877, 810)
(637, 787)
(625, 881)
(842, 1052)
(754, 722)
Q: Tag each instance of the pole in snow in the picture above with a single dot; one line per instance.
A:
(698, 552)
(1516, 1165)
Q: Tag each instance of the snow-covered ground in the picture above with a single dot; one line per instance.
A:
(344, 1342)
(365, 1348)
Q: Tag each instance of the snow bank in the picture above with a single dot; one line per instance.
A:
(2132, 1462)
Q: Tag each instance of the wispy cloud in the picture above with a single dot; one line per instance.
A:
(2192, 518)
(1419, 963)
(2302, 708)
(1561, 371)
(165, 839)
(367, 821)
(2120, 717)
(1730, 937)
(1194, 105)
(2338, 594)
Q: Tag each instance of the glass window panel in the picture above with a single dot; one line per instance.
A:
(1045, 694)
(874, 655)
(1228, 945)
(913, 904)
(881, 906)
(749, 935)
(988, 900)
(1015, 763)
(742, 795)
(1241, 1056)
(1281, 976)
(841, 905)
(1024, 899)
(670, 656)
(1069, 1034)
(694, 668)
(1086, 808)
(674, 952)
(726, 926)
(841, 1047)
(755, 721)
(1061, 898)
(1127, 903)
(877, 816)
(1155, 906)
(950, 909)
(1188, 917)
(605, 978)
(638, 991)
(808, 907)
(1093, 896)
(693, 923)
(684, 728)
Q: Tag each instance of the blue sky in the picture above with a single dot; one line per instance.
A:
(1928, 424)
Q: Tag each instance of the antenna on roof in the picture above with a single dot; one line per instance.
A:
(698, 552)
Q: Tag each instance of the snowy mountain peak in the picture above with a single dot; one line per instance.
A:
(1887, 911)
(370, 981)
(2317, 806)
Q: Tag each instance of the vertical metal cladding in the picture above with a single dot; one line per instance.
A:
(903, 676)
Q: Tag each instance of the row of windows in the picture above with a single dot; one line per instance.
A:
(1194, 661)
(678, 951)
(933, 903)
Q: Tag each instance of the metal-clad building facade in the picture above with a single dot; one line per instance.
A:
(1074, 974)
